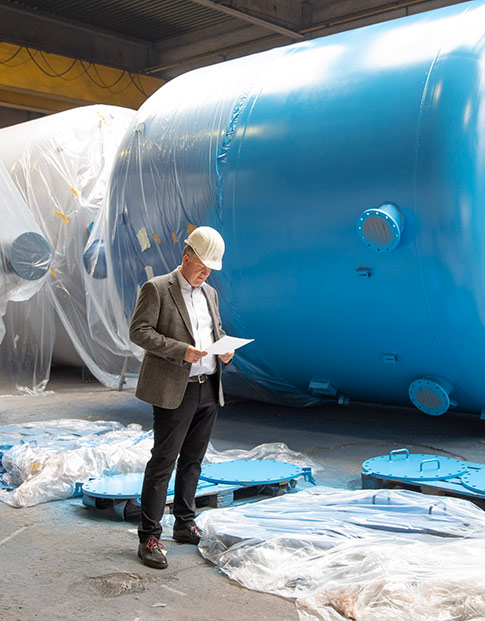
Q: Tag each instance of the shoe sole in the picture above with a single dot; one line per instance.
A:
(152, 564)
(185, 540)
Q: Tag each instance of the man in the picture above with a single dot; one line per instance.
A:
(176, 318)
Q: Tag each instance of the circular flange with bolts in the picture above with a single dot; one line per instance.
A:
(380, 229)
(430, 395)
(474, 480)
(402, 465)
(251, 472)
(116, 486)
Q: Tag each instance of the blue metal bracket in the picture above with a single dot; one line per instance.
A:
(364, 272)
(308, 476)
(390, 358)
(322, 387)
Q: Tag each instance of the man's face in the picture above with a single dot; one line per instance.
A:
(194, 271)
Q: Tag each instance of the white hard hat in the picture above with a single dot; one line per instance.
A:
(208, 245)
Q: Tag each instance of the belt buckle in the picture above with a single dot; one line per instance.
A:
(201, 379)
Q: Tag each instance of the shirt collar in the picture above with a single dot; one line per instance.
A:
(184, 283)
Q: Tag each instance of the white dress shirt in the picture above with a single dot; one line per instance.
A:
(202, 324)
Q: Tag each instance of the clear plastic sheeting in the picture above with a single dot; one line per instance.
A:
(365, 555)
(59, 430)
(277, 451)
(61, 164)
(399, 581)
(47, 460)
(25, 254)
(26, 350)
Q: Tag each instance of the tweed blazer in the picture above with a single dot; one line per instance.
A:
(161, 326)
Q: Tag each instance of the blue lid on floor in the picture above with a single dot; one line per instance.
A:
(474, 480)
(115, 486)
(124, 486)
(251, 472)
(400, 464)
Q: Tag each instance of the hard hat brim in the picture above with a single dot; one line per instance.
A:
(212, 265)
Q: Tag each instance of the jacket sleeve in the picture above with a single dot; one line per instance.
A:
(219, 322)
(143, 328)
(218, 318)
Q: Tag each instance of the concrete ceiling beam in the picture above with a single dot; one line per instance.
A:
(213, 45)
(69, 37)
(339, 15)
(283, 12)
(249, 16)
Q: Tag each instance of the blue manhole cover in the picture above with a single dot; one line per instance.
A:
(251, 472)
(400, 464)
(474, 480)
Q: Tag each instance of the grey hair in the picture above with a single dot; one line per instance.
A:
(188, 250)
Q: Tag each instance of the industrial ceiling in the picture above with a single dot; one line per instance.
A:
(152, 41)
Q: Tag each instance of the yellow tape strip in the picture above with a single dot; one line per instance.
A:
(157, 239)
(190, 228)
(52, 272)
(63, 216)
(35, 466)
(174, 237)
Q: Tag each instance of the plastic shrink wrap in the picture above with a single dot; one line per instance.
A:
(61, 165)
(43, 461)
(46, 460)
(25, 258)
(345, 175)
(367, 555)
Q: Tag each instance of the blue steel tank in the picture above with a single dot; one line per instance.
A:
(347, 177)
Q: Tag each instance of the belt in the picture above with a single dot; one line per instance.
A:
(200, 378)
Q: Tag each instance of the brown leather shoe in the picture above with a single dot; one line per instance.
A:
(187, 534)
(152, 554)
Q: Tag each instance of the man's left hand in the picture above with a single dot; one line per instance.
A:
(226, 358)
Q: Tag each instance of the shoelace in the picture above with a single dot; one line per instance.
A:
(154, 543)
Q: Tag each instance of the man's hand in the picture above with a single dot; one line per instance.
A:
(193, 355)
(226, 358)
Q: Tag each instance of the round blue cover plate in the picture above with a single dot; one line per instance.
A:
(474, 480)
(124, 486)
(115, 486)
(417, 467)
(251, 472)
(30, 255)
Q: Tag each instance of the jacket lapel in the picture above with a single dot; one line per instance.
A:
(178, 298)
(212, 309)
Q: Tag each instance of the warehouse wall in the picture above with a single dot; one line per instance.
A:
(12, 116)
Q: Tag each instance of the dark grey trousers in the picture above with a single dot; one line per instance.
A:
(183, 432)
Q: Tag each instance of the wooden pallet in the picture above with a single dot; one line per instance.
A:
(211, 495)
(451, 487)
(219, 497)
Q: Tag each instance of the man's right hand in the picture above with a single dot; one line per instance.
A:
(193, 355)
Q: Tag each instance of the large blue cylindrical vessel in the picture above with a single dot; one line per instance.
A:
(346, 175)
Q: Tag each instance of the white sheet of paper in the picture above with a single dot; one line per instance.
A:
(227, 344)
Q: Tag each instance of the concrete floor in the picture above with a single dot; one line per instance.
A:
(61, 560)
